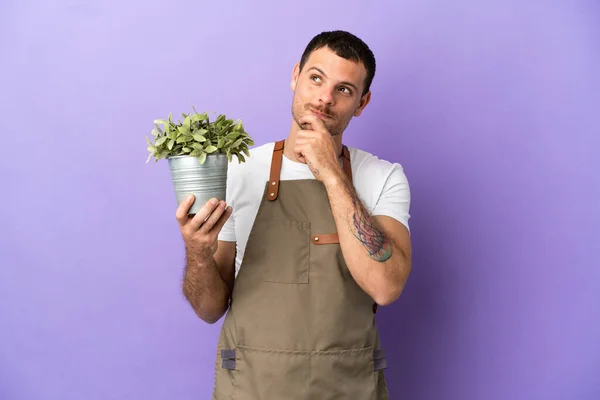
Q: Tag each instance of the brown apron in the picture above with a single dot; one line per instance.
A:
(298, 326)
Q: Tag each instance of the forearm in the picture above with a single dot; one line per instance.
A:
(378, 266)
(204, 288)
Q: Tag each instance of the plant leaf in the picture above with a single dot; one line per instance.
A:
(199, 137)
(210, 149)
(171, 144)
(160, 141)
(202, 158)
(232, 136)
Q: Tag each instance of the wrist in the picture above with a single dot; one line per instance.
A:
(335, 179)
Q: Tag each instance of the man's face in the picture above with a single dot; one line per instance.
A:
(330, 87)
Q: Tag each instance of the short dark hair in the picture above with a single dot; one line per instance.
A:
(345, 45)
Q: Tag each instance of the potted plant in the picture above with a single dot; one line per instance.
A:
(198, 151)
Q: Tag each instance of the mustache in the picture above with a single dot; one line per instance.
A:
(321, 110)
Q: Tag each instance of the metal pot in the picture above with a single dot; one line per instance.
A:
(204, 181)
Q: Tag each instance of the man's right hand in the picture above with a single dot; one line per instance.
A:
(200, 231)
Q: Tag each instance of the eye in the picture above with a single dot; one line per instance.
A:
(315, 78)
(347, 90)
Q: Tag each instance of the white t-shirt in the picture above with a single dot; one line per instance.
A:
(381, 185)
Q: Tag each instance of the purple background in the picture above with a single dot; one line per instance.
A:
(491, 107)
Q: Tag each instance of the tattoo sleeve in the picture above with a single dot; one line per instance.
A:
(365, 230)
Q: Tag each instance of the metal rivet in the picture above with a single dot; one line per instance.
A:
(316, 239)
(272, 194)
(273, 183)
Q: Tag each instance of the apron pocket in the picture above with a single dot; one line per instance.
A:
(271, 374)
(286, 253)
(343, 374)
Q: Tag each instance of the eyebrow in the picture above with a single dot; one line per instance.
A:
(342, 83)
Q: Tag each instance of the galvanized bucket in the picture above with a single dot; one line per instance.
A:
(204, 181)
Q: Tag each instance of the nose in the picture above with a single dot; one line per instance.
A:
(326, 95)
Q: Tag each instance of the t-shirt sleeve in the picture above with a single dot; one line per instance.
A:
(227, 233)
(394, 200)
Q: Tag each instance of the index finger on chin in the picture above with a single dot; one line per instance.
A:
(312, 120)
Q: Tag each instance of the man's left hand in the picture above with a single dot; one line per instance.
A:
(316, 148)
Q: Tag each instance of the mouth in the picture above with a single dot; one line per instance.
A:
(320, 114)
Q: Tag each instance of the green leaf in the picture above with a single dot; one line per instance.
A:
(210, 149)
(246, 152)
(171, 144)
(232, 136)
(182, 139)
(221, 143)
(237, 143)
(186, 149)
(199, 117)
(241, 158)
(229, 155)
(199, 137)
(160, 141)
(202, 158)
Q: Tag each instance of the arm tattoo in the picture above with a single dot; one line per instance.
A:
(364, 229)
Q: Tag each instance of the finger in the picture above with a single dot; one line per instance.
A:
(302, 141)
(203, 214)
(314, 121)
(213, 217)
(182, 210)
(224, 217)
(300, 151)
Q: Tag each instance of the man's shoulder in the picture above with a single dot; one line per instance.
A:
(260, 156)
(368, 162)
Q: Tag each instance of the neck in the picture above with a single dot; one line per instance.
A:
(288, 149)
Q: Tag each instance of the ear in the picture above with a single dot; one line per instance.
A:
(363, 103)
(295, 75)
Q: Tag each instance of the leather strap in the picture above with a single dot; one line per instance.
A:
(346, 162)
(275, 171)
(276, 168)
(328, 238)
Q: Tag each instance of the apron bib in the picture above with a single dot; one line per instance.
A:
(298, 326)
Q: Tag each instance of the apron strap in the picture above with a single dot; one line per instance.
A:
(276, 168)
(346, 162)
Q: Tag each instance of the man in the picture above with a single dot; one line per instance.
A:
(315, 237)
